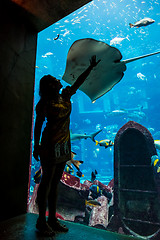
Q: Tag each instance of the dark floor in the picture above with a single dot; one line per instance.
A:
(23, 228)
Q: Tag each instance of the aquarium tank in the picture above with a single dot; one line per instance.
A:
(135, 97)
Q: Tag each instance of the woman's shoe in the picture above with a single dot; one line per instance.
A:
(44, 229)
(57, 226)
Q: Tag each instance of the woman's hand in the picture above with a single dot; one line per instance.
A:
(93, 61)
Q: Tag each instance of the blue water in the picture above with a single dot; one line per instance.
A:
(137, 93)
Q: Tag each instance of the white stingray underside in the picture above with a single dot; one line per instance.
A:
(104, 76)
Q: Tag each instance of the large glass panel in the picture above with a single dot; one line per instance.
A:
(135, 97)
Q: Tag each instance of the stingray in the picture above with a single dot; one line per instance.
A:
(105, 75)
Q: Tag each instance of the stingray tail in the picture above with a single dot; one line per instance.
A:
(92, 136)
(140, 57)
(131, 25)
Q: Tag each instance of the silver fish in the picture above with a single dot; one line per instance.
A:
(142, 23)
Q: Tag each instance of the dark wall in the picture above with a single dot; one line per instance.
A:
(17, 60)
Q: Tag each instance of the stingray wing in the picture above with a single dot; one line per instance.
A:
(104, 76)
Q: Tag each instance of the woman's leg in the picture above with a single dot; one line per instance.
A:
(53, 194)
(42, 198)
(43, 191)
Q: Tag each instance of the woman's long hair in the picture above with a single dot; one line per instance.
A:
(44, 85)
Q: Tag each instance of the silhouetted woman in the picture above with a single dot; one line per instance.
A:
(55, 148)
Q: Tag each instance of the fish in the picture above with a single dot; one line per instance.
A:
(79, 173)
(142, 23)
(105, 143)
(155, 163)
(57, 37)
(47, 54)
(95, 189)
(121, 112)
(38, 175)
(141, 76)
(117, 40)
(93, 175)
(154, 160)
(76, 163)
(77, 136)
(68, 169)
(105, 75)
(117, 113)
(157, 144)
(93, 203)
